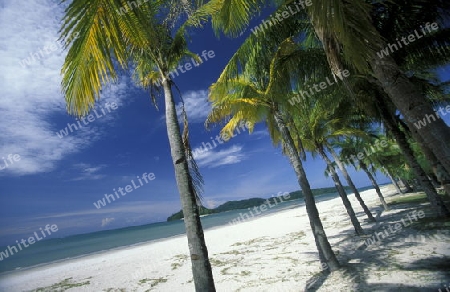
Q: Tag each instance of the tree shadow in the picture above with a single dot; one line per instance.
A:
(358, 259)
(315, 282)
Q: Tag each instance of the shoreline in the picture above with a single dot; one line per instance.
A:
(138, 244)
(274, 252)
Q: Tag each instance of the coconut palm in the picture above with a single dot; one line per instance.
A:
(346, 124)
(375, 103)
(371, 177)
(292, 26)
(351, 39)
(350, 183)
(390, 161)
(355, 41)
(401, 139)
(316, 126)
(370, 98)
(259, 92)
(336, 28)
(350, 146)
(107, 40)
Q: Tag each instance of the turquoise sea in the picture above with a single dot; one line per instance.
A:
(60, 249)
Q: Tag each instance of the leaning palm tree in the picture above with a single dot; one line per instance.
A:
(259, 92)
(107, 40)
(421, 57)
(316, 126)
(350, 182)
(350, 146)
(374, 102)
(351, 39)
(346, 124)
(391, 123)
(355, 41)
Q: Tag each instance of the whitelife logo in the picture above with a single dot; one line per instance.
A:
(318, 87)
(261, 208)
(412, 217)
(432, 118)
(90, 118)
(10, 250)
(110, 198)
(12, 158)
(280, 16)
(46, 51)
(411, 38)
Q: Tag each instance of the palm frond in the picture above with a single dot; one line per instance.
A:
(98, 36)
(346, 28)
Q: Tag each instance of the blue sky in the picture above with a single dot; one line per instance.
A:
(57, 180)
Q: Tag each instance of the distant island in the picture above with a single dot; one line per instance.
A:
(252, 202)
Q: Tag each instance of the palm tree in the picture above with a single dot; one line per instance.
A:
(336, 27)
(418, 58)
(292, 26)
(401, 139)
(391, 162)
(316, 126)
(257, 93)
(355, 41)
(106, 39)
(375, 185)
(350, 146)
(370, 98)
(346, 123)
(350, 39)
(349, 180)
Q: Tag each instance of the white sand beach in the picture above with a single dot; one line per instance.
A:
(269, 253)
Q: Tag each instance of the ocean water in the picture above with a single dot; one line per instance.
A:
(59, 249)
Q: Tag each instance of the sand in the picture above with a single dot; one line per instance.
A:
(275, 252)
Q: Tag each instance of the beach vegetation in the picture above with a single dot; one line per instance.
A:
(64, 285)
(416, 198)
(153, 282)
(217, 262)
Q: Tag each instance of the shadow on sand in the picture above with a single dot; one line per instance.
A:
(358, 260)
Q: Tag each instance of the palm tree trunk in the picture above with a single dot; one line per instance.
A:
(434, 181)
(411, 103)
(341, 192)
(432, 159)
(325, 252)
(435, 200)
(201, 267)
(406, 185)
(351, 184)
(375, 185)
(414, 107)
(394, 182)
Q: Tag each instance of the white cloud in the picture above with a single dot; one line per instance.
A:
(107, 221)
(212, 158)
(211, 204)
(259, 134)
(196, 105)
(88, 172)
(31, 94)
